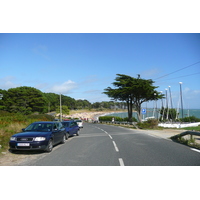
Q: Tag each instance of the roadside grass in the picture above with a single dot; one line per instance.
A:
(13, 123)
(188, 142)
(7, 132)
(197, 128)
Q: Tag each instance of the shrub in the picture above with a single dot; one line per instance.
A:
(133, 119)
(119, 119)
(190, 119)
(150, 123)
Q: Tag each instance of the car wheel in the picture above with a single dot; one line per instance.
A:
(49, 146)
(77, 133)
(64, 139)
(67, 136)
(12, 151)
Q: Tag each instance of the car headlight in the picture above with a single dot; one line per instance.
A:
(40, 139)
(12, 138)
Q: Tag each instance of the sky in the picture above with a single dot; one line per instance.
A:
(82, 65)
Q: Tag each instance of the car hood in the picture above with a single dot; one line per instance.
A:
(31, 134)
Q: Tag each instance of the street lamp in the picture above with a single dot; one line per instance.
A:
(181, 97)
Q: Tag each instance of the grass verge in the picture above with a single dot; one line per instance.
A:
(13, 123)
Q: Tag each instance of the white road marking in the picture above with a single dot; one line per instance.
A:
(110, 136)
(195, 150)
(115, 146)
(121, 162)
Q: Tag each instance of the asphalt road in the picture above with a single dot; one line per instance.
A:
(104, 145)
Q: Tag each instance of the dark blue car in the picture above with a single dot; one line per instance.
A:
(71, 127)
(39, 136)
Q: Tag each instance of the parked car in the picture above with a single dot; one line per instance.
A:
(39, 136)
(79, 122)
(71, 127)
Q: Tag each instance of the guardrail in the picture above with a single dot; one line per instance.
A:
(191, 133)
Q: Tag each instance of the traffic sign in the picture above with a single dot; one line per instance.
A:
(144, 111)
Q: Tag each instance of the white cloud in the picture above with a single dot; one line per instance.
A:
(196, 91)
(63, 88)
(8, 82)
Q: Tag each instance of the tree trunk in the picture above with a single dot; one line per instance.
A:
(130, 110)
(138, 109)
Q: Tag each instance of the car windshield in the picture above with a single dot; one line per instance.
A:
(66, 124)
(41, 127)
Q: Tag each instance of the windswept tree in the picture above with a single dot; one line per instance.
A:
(134, 91)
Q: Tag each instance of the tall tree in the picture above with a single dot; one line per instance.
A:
(134, 91)
(25, 100)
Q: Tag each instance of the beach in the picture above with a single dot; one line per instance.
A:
(89, 115)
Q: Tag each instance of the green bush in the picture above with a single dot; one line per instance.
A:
(149, 124)
(119, 119)
(133, 119)
(190, 119)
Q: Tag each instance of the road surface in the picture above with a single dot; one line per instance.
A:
(104, 145)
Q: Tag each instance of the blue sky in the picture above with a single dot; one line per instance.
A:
(82, 65)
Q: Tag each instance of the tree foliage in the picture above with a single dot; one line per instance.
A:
(134, 91)
(24, 100)
(65, 110)
(168, 114)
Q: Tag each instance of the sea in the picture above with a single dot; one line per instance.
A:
(150, 112)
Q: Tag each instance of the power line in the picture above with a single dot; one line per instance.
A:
(180, 77)
(177, 70)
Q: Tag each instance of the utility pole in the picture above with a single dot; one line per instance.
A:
(60, 108)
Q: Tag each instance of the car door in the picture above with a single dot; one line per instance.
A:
(76, 127)
(56, 133)
(61, 131)
(71, 131)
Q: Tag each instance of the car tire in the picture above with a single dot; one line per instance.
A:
(49, 146)
(64, 139)
(77, 133)
(12, 151)
(67, 136)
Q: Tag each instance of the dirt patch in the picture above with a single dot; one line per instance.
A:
(16, 159)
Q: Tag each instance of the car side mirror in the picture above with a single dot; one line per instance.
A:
(23, 129)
